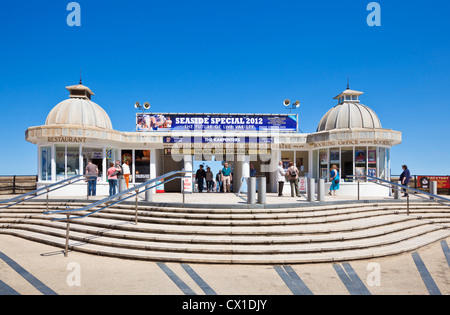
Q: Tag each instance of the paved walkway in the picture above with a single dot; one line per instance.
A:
(30, 268)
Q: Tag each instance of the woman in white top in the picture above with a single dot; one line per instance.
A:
(126, 173)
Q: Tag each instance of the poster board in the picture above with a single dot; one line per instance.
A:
(443, 182)
(302, 184)
(187, 185)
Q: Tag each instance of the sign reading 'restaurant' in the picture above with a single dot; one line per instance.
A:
(67, 139)
(219, 122)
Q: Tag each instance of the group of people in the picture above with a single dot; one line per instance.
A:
(115, 172)
(223, 179)
(292, 176)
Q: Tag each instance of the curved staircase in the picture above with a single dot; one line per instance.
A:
(307, 234)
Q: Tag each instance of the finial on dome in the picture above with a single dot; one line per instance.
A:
(80, 91)
(348, 82)
(348, 96)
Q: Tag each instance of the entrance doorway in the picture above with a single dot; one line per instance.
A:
(169, 164)
(139, 163)
(214, 165)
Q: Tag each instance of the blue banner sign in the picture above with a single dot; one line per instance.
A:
(221, 140)
(216, 122)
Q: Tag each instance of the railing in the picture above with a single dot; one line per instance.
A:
(41, 191)
(113, 200)
(401, 188)
(11, 184)
(415, 180)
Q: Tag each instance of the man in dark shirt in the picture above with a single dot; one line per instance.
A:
(200, 177)
(404, 179)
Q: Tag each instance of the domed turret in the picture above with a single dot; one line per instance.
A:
(349, 114)
(79, 110)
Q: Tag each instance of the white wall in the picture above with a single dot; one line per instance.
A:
(366, 190)
(77, 190)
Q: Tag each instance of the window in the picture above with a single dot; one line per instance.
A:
(60, 162)
(323, 161)
(302, 162)
(46, 163)
(73, 161)
(142, 165)
(360, 161)
(347, 163)
(315, 163)
(382, 165)
(110, 157)
(286, 157)
(335, 159)
(372, 162)
(94, 155)
(127, 158)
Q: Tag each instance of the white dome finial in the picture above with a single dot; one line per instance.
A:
(80, 91)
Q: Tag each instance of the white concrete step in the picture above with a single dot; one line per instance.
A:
(270, 248)
(291, 235)
(301, 228)
(279, 258)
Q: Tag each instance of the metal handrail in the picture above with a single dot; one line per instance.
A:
(107, 204)
(118, 196)
(382, 182)
(147, 185)
(43, 190)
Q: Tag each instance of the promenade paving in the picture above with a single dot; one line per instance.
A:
(81, 273)
(102, 275)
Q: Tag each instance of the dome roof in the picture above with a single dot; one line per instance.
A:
(348, 114)
(79, 110)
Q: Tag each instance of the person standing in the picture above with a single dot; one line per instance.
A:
(219, 181)
(91, 175)
(112, 178)
(252, 171)
(226, 177)
(126, 173)
(119, 174)
(404, 179)
(209, 180)
(334, 177)
(200, 177)
(281, 178)
(292, 172)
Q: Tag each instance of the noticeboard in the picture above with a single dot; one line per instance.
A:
(443, 182)
(216, 122)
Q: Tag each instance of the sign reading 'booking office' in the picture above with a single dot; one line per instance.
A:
(216, 122)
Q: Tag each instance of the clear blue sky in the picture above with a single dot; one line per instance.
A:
(230, 56)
